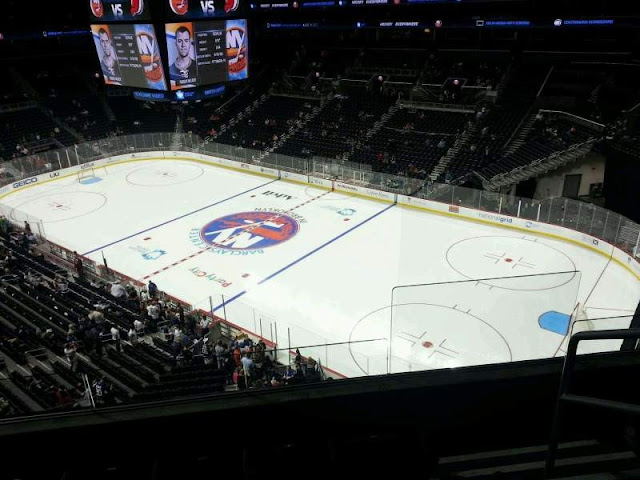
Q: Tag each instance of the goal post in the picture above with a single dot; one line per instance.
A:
(91, 173)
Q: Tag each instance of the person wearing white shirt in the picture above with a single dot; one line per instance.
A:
(153, 311)
(133, 335)
(138, 325)
(115, 336)
(247, 364)
(115, 333)
(118, 291)
(96, 316)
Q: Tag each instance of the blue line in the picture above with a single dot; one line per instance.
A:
(275, 274)
(177, 218)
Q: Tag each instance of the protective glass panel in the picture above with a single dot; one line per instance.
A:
(479, 321)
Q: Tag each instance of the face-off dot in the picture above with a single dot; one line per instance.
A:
(508, 260)
(427, 344)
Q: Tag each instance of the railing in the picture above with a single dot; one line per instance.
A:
(585, 122)
(555, 160)
(564, 398)
(576, 215)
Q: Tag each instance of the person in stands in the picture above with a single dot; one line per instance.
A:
(118, 291)
(152, 289)
(115, 336)
(79, 266)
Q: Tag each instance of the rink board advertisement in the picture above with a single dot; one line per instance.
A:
(207, 52)
(202, 9)
(129, 55)
(118, 10)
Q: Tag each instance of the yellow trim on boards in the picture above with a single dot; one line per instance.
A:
(354, 194)
(141, 159)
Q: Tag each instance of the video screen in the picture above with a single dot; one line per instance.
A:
(207, 52)
(118, 10)
(202, 9)
(129, 55)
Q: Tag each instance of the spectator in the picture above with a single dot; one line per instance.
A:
(153, 310)
(118, 291)
(96, 316)
(70, 355)
(138, 326)
(248, 365)
(152, 289)
(115, 336)
(79, 266)
(289, 375)
(220, 351)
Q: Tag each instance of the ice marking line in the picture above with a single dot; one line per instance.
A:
(248, 228)
(178, 218)
(278, 272)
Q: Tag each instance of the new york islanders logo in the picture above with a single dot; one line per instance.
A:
(236, 49)
(249, 230)
(179, 7)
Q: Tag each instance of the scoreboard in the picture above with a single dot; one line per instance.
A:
(207, 44)
(201, 9)
(129, 55)
(118, 10)
(202, 53)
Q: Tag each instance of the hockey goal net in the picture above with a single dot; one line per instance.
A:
(89, 173)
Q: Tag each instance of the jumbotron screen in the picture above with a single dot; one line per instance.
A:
(129, 55)
(119, 10)
(201, 9)
(201, 53)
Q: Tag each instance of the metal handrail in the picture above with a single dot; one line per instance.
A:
(564, 397)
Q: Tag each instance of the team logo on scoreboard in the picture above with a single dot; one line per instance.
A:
(137, 7)
(249, 231)
(231, 5)
(236, 49)
(179, 7)
(96, 8)
(149, 55)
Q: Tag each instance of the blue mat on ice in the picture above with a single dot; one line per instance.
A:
(555, 322)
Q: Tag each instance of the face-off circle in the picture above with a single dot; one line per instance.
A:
(495, 258)
(59, 207)
(424, 337)
(249, 230)
(163, 175)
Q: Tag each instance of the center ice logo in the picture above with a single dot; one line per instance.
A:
(249, 230)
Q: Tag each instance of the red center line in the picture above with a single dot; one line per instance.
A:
(248, 228)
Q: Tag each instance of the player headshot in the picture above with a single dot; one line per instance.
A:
(184, 66)
(109, 62)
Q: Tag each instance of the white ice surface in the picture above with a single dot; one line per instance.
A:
(333, 281)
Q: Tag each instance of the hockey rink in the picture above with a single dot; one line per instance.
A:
(307, 267)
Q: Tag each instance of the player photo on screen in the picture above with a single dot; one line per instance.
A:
(129, 55)
(183, 71)
(107, 54)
